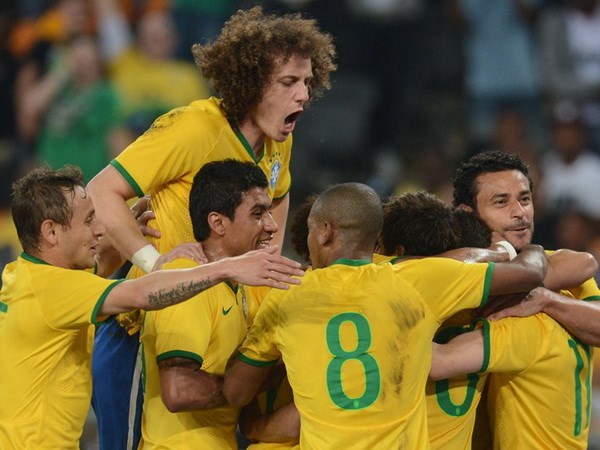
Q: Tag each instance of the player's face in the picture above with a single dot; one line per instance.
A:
(80, 241)
(252, 227)
(284, 99)
(504, 203)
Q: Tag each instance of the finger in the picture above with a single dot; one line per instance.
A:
(284, 277)
(287, 268)
(149, 231)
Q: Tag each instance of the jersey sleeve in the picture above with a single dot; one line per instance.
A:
(260, 346)
(587, 291)
(171, 148)
(448, 286)
(184, 330)
(78, 301)
(516, 343)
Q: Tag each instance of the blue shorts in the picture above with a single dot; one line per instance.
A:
(117, 395)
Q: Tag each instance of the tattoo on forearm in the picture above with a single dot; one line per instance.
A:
(182, 291)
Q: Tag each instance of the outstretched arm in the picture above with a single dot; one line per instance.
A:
(568, 268)
(580, 317)
(169, 287)
(463, 354)
(523, 273)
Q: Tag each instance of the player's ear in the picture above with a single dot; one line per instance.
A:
(466, 208)
(216, 222)
(399, 250)
(49, 231)
(325, 234)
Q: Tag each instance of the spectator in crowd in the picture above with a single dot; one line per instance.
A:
(570, 170)
(570, 50)
(500, 64)
(148, 78)
(80, 111)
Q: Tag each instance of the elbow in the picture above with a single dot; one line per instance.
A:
(173, 405)
(589, 266)
(235, 397)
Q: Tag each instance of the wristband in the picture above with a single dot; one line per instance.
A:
(145, 258)
(512, 253)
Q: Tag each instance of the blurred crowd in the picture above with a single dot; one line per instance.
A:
(421, 85)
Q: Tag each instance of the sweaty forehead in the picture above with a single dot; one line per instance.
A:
(505, 182)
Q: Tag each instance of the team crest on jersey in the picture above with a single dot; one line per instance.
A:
(275, 170)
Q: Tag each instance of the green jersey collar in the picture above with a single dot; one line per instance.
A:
(247, 146)
(33, 259)
(352, 262)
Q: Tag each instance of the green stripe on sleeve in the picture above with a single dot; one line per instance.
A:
(179, 354)
(254, 362)
(591, 298)
(136, 187)
(100, 302)
(3, 307)
(487, 284)
(486, 344)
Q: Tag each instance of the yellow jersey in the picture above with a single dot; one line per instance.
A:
(46, 317)
(164, 160)
(356, 340)
(207, 329)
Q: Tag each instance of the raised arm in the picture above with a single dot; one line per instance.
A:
(169, 287)
(110, 191)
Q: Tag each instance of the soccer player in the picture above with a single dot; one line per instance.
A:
(352, 385)
(497, 188)
(420, 224)
(265, 68)
(49, 302)
(187, 347)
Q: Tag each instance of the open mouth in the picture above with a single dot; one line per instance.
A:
(292, 118)
(263, 244)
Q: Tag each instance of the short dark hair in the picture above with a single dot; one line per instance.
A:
(419, 222)
(474, 232)
(41, 195)
(299, 228)
(220, 186)
(465, 180)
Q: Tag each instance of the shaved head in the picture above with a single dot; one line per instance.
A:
(353, 208)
